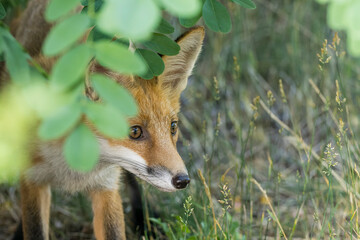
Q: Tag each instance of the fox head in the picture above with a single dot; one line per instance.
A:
(150, 150)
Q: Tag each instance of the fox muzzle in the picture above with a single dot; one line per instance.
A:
(180, 181)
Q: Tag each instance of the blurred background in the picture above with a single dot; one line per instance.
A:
(269, 128)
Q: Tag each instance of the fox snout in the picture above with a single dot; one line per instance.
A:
(168, 173)
(166, 180)
(180, 181)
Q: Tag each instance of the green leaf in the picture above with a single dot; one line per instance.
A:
(114, 94)
(66, 34)
(86, 2)
(60, 123)
(98, 5)
(16, 60)
(189, 22)
(163, 45)
(118, 58)
(183, 8)
(337, 15)
(58, 8)
(107, 119)
(322, 1)
(71, 67)
(97, 35)
(353, 19)
(155, 65)
(2, 47)
(135, 19)
(165, 27)
(353, 43)
(353, 30)
(216, 16)
(123, 41)
(2, 11)
(81, 149)
(245, 3)
(344, 15)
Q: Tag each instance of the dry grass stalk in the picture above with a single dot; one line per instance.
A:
(208, 194)
(345, 186)
(270, 205)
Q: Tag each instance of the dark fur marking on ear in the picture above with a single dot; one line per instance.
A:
(188, 32)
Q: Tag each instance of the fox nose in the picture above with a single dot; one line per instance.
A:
(180, 181)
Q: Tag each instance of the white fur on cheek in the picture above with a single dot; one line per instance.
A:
(134, 163)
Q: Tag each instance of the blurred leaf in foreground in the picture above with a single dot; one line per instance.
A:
(59, 123)
(135, 19)
(107, 119)
(58, 8)
(15, 57)
(17, 122)
(112, 93)
(81, 149)
(118, 58)
(65, 34)
(70, 67)
(344, 15)
(183, 8)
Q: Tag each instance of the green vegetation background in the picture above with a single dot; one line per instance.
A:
(278, 143)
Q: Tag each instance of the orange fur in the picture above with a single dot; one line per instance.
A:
(35, 204)
(157, 110)
(108, 215)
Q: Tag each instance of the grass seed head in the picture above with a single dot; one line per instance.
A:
(330, 159)
(282, 92)
(271, 98)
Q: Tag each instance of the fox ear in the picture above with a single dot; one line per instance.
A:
(178, 68)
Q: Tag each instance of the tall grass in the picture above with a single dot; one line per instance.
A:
(269, 132)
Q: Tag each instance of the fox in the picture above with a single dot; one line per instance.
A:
(149, 152)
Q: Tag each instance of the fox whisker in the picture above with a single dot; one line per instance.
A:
(140, 169)
(124, 162)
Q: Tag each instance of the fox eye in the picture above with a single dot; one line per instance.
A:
(174, 127)
(135, 132)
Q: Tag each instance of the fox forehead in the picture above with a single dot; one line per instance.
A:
(156, 105)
